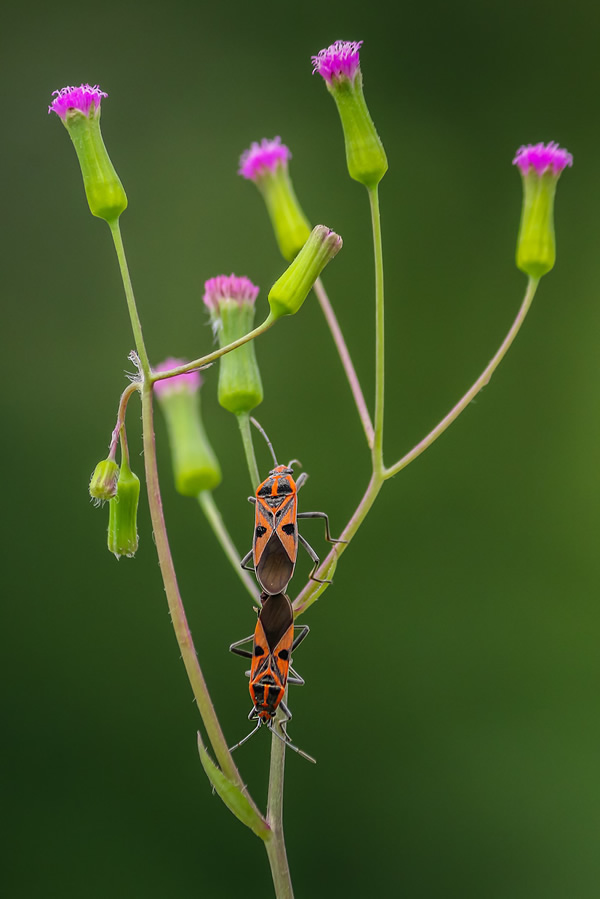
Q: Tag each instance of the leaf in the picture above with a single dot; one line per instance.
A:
(232, 796)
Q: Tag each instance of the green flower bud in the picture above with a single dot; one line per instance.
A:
(103, 483)
(540, 167)
(267, 165)
(339, 65)
(231, 303)
(79, 110)
(122, 514)
(291, 289)
(195, 466)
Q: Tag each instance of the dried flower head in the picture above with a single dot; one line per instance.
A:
(80, 98)
(188, 382)
(263, 157)
(228, 287)
(542, 158)
(340, 60)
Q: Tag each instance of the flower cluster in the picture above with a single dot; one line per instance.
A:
(80, 98)
(263, 157)
(340, 60)
(228, 287)
(542, 158)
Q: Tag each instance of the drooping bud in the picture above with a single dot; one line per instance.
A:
(103, 483)
(231, 302)
(339, 65)
(541, 166)
(122, 514)
(195, 466)
(79, 110)
(291, 289)
(267, 165)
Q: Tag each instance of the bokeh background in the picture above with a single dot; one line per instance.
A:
(452, 670)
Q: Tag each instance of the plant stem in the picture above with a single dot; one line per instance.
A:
(313, 590)
(216, 354)
(176, 609)
(136, 324)
(344, 355)
(246, 432)
(210, 509)
(275, 846)
(125, 397)
(481, 381)
(377, 452)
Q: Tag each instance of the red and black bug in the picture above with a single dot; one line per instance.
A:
(275, 545)
(271, 669)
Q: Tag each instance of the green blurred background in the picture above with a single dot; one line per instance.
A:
(452, 670)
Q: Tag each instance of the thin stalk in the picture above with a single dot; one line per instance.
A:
(275, 846)
(216, 354)
(344, 355)
(136, 324)
(313, 590)
(175, 603)
(377, 452)
(472, 392)
(246, 434)
(215, 519)
(125, 397)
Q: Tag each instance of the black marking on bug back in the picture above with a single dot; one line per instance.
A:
(260, 530)
(289, 529)
(276, 618)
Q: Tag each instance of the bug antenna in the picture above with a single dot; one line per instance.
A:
(286, 740)
(269, 444)
(247, 737)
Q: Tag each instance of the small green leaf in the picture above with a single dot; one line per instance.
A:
(232, 796)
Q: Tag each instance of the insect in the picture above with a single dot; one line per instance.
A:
(275, 544)
(271, 668)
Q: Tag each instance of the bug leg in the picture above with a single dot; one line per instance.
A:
(245, 653)
(304, 629)
(247, 737)
(302, 479)
(286, 739)
(295, 678)
(315, 559)
(252, 499)
(323, 515)
(247, 558)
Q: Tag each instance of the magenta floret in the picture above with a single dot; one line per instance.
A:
(190, 380)
(229, 287)
(263, 157)
(80, 98)
(542, 157)
(340, 60)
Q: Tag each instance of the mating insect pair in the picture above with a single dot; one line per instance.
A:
(271, 669)
(275, 544)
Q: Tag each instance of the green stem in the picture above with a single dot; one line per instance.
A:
(275, 846)
(481, 381)
(214, 518)
(377, 452)
(246, 433)
(216, 354)
(136, 324)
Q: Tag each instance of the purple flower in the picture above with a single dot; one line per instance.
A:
(228, 287)
(263, 157)
(190, 380)
(340, 60)
(542, 157)
(80, 98)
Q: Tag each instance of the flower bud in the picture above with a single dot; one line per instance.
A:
(195, 466)
(231, 303)
(122, 514)
(291, 289)
(540, 167)
(267, 165)
(103, 483)
(79, 110)
(339, 65)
